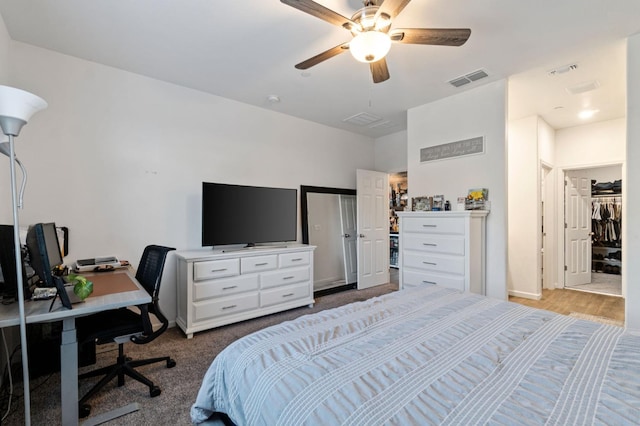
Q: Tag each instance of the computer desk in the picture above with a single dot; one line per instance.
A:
(38, 311)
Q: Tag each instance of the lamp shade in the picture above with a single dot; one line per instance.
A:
(370, 46)
(19, 105)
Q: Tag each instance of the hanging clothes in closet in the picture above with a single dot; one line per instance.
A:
(606, 221)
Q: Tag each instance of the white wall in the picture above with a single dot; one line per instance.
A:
(391, 153)
(631, 183)
(119, 158)
(594, 144)
(523, 271)
(5, 190)
(476, 112)
(4, 52)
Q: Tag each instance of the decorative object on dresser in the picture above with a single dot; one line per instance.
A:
(445, 248)
(216, 288)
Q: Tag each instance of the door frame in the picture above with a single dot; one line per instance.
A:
(547, 218)
(560, 219)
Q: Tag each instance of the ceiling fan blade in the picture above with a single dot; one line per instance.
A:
(379, 71)
(433, 36)
(327, 54)
(391, 8)
(319, 11)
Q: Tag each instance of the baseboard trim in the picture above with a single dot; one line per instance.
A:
(525, 295)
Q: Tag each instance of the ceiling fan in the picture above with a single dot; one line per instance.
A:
(372, 33)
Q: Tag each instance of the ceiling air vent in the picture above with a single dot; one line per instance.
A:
(362, 119)
(468, 78)
(586, 86)
(387, 124)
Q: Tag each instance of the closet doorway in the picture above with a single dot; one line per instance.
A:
(593, 230)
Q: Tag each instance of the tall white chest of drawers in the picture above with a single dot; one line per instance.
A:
(445, 248)
(216, 288)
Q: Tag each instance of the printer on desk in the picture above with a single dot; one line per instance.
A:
(85, 265)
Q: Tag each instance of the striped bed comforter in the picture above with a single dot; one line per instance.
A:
(427, 355)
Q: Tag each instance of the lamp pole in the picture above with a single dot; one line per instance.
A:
(16, 107)
(19, 276)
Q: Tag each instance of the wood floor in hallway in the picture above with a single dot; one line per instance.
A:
(564, 301)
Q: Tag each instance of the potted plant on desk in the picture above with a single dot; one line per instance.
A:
(81, 286)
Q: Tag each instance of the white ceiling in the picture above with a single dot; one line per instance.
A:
(246, 50)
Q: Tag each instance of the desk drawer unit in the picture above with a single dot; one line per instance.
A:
(225, 306)
(284, 277)
(436, 263)
(434, 225)
(284, 294)
(435, 243)
(216, 269)
(217, 288)
(416, 278)
(224, 287)
(443, 248)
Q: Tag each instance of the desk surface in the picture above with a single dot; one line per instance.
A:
(38, 310)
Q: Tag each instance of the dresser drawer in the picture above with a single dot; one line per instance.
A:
(285, 277)
(287, 260)
(225, 306)
(258, 263)
(222, 287)
(216, 269)
(283, 295)
(414, 278)
(435, 263)
(435, 225)
(434, 243)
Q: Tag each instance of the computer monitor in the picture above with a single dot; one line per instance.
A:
(44, 251)
(9, 287)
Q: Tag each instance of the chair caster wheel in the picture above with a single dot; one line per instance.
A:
(154, 391)
(171, 363)
(84, 410)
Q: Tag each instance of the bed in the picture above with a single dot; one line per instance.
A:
(427, 355)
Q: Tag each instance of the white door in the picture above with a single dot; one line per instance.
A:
(373, 228)
(349, 237)
(578, 228)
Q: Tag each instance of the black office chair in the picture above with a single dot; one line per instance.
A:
(122, 325)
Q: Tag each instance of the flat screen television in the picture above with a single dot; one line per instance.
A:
(249, 215)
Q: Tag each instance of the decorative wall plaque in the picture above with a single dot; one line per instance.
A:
(453, 149)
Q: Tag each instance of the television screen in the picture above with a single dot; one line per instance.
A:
(237, 214)
(44, 250)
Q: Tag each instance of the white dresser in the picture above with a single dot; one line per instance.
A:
(216, 288)
(445, 248)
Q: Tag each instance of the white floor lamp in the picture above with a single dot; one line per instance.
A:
(16, 108)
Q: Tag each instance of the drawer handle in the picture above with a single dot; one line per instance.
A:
(219, 270)
(429, 282)
(262, 264)
(428, 225)
(230, 287)
(429, 263)
(430, 244)
(288, 278)
(229, 307)
(287, 295)
(297, 259)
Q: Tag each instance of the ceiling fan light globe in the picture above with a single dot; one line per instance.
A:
(370, 46)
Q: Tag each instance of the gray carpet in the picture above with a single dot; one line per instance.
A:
(179, 384)
(601, 283)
